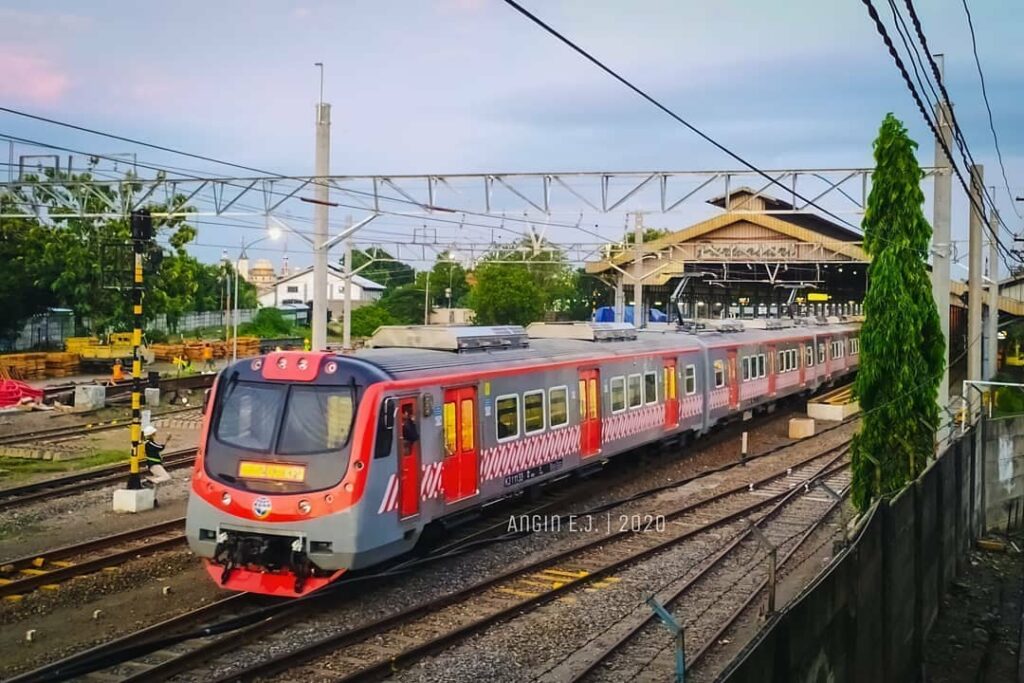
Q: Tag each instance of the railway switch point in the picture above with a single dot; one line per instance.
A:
(137, 500)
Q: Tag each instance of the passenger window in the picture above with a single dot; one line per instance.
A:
(592, 400)
(506, 416)
(533, 411)
(821, 352)
(558, 400)
(760, 365)
(449, 428)
(650, 387)
(468, 417)
(690, 379)
(618, 394)
(809, 356)
(746, 368)
(719, 373)
(780, 358)
(634, 391)
(583, 399)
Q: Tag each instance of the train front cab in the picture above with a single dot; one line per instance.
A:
(281, 482)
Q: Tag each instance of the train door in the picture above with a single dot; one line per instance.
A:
(828, 357)
(773, 367)
(801, 361)
(460, 470)
(734, 381)
(590, 412)
(671, 394)
(408, 463)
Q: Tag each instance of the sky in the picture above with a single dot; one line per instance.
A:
(449, 86)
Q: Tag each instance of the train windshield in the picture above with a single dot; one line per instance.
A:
(309, 426)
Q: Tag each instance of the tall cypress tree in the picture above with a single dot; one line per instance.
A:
(902, 351)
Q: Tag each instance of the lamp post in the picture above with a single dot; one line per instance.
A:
(273, 232)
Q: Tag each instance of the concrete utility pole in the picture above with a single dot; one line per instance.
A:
(942, 242)
(638, 272)
(426, 301)
(620, 299)
(320, 217)
(974, 291)
(992, 328)
(346, 339)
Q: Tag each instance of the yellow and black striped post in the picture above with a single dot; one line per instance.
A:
(142, 232)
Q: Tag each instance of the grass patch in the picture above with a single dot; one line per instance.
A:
(13, 470)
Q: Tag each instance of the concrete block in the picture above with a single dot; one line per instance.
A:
(126, 500)
(801, 427)
(89, 397)
(152, 396)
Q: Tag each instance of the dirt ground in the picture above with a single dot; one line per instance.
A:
(977, 636)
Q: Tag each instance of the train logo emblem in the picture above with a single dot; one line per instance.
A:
(261, 506)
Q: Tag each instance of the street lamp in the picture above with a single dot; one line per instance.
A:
(273, 232)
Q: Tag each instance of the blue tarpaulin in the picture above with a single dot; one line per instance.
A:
(606, 314)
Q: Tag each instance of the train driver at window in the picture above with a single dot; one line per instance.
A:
(410, 432)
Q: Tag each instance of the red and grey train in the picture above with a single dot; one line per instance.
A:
(302, 472)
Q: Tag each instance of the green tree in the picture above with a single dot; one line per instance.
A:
(448, 273)
(650, 234)
(405, 304)
(902, 351)
(381, 267)
(24, 283)
(506, 294)
(366, 319)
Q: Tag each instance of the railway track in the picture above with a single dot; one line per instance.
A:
(51, 567)
(70, 431)
(184, 656)
(66, 392)
(81, 481)
(372, 649)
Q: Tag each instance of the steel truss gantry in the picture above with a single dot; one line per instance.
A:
(842, 190)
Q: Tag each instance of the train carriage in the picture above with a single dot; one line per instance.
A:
(306, 468)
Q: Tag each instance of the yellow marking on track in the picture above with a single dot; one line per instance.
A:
(566, 574)
(518, 593)
(50, 587)
(4, 582)
(111, 569)
(39, 562)
(546, 585)
(62, 563)
(13, 598)
(34, 572)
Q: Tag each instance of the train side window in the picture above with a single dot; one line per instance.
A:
(719, 374)
(690, 380)
(650, 387)
(592, 399)
(558, 406)
(449, 428)
(760, 365)
(633, 386)
(821, 352)
(468, 421)
(385, 429)
(618, 390)
(533, 411)
(583, 399)
(506, 416)
(809, 356)
(746, 368)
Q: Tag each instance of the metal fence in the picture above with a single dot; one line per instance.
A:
(196, 321)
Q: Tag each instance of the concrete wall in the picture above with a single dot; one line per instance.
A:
(866, 619)
(1004, 469)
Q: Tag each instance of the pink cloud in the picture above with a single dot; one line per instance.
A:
(27, 78)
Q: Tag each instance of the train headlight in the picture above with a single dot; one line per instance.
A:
(225, 498)
(302, 364)
(304, 507)
(282, 363)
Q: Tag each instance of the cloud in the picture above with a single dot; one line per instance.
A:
(301, 12)
(28, 78)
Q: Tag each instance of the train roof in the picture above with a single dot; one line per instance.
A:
(559, 345)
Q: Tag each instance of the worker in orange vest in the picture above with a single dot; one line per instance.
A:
(116, 373)
(208, 357)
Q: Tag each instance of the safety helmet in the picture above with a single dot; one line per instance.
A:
(150, 430)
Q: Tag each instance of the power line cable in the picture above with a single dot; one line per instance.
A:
(883, 32)
(959, 136)
(704, 136)
(988, 108)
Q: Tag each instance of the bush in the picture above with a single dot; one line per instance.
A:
(268, 323)
(156, 337)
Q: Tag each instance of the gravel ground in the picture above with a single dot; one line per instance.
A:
(443, 578)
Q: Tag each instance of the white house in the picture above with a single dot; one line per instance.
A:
(297, 288)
